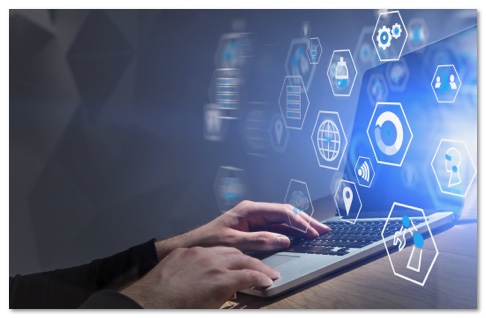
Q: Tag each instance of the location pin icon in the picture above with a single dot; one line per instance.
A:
(348, 198)
(278, 130)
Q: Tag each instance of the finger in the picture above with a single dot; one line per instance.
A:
(296, 221)
(287, 230)
(259, 241)
(316, 225)
(274, 212)
(236, 262)
(247, 278)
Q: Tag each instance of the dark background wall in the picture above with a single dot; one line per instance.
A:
(106, 122)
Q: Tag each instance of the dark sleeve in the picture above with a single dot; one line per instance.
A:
(71, 287)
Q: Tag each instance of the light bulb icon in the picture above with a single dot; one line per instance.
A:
(341, 75)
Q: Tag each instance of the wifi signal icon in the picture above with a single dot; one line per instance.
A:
(364, 171)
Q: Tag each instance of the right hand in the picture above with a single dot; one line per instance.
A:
(199, 278)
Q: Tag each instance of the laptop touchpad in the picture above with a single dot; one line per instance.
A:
(278, 260)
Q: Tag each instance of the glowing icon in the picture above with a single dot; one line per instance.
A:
(452, 164)
(254, 129)
(377, 89)
(225, 91)
(389, 133)
(314, 50)
(399, 238)
(366, 58)
(394, 125)
(299, 60)
(329, 140)
(215, 126)
(419, 33)
(397, 75)
(230, 187)
(364, 171)
(299, 201)
(299, 197)
(342, 72)
(347, 201)
(420, 258)
(233, 50)
(348, 198)
(389, 36)
(293, 102)
(446, 83)
(231, 190)
(454, 167)
(279, 135)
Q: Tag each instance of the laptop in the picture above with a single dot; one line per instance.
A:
(402, 202)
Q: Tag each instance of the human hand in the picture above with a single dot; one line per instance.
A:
(199, 278)
(256, 226)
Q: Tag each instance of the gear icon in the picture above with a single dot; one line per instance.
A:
(396, 31)
(384, 37)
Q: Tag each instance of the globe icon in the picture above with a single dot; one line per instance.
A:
(328, 140)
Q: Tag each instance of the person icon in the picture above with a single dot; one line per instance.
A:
(452, 83)
(437, 82)
(452, 164)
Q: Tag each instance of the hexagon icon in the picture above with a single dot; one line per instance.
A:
(297, 63)
(419, 33)
(233, 50)
(293, 102)
(314, 50)
(363, 53)
(364, 171)
(389, 133)
(347, 201)
(453, 167)
(405, 229)
(397, 75)
(299, 197)
(446, 83)
(279, 134)
(254, 128)
(377, 88)
(342, 72)
(389, 36)
(230, 187)
(225, 91)
(329, 140)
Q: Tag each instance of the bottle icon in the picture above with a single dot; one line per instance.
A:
(341, 75)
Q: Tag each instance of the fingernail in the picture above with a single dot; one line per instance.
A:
(282, 241)
(269, 283)
(275, 275)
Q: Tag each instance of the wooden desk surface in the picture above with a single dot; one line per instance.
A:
(452, 282)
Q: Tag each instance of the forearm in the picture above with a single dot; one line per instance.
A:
(70, 287)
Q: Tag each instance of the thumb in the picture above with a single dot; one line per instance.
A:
(260, 241)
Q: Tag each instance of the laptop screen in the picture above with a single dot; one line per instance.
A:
(415, 134)
(415, 131)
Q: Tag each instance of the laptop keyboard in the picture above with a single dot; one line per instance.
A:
(344, 235)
